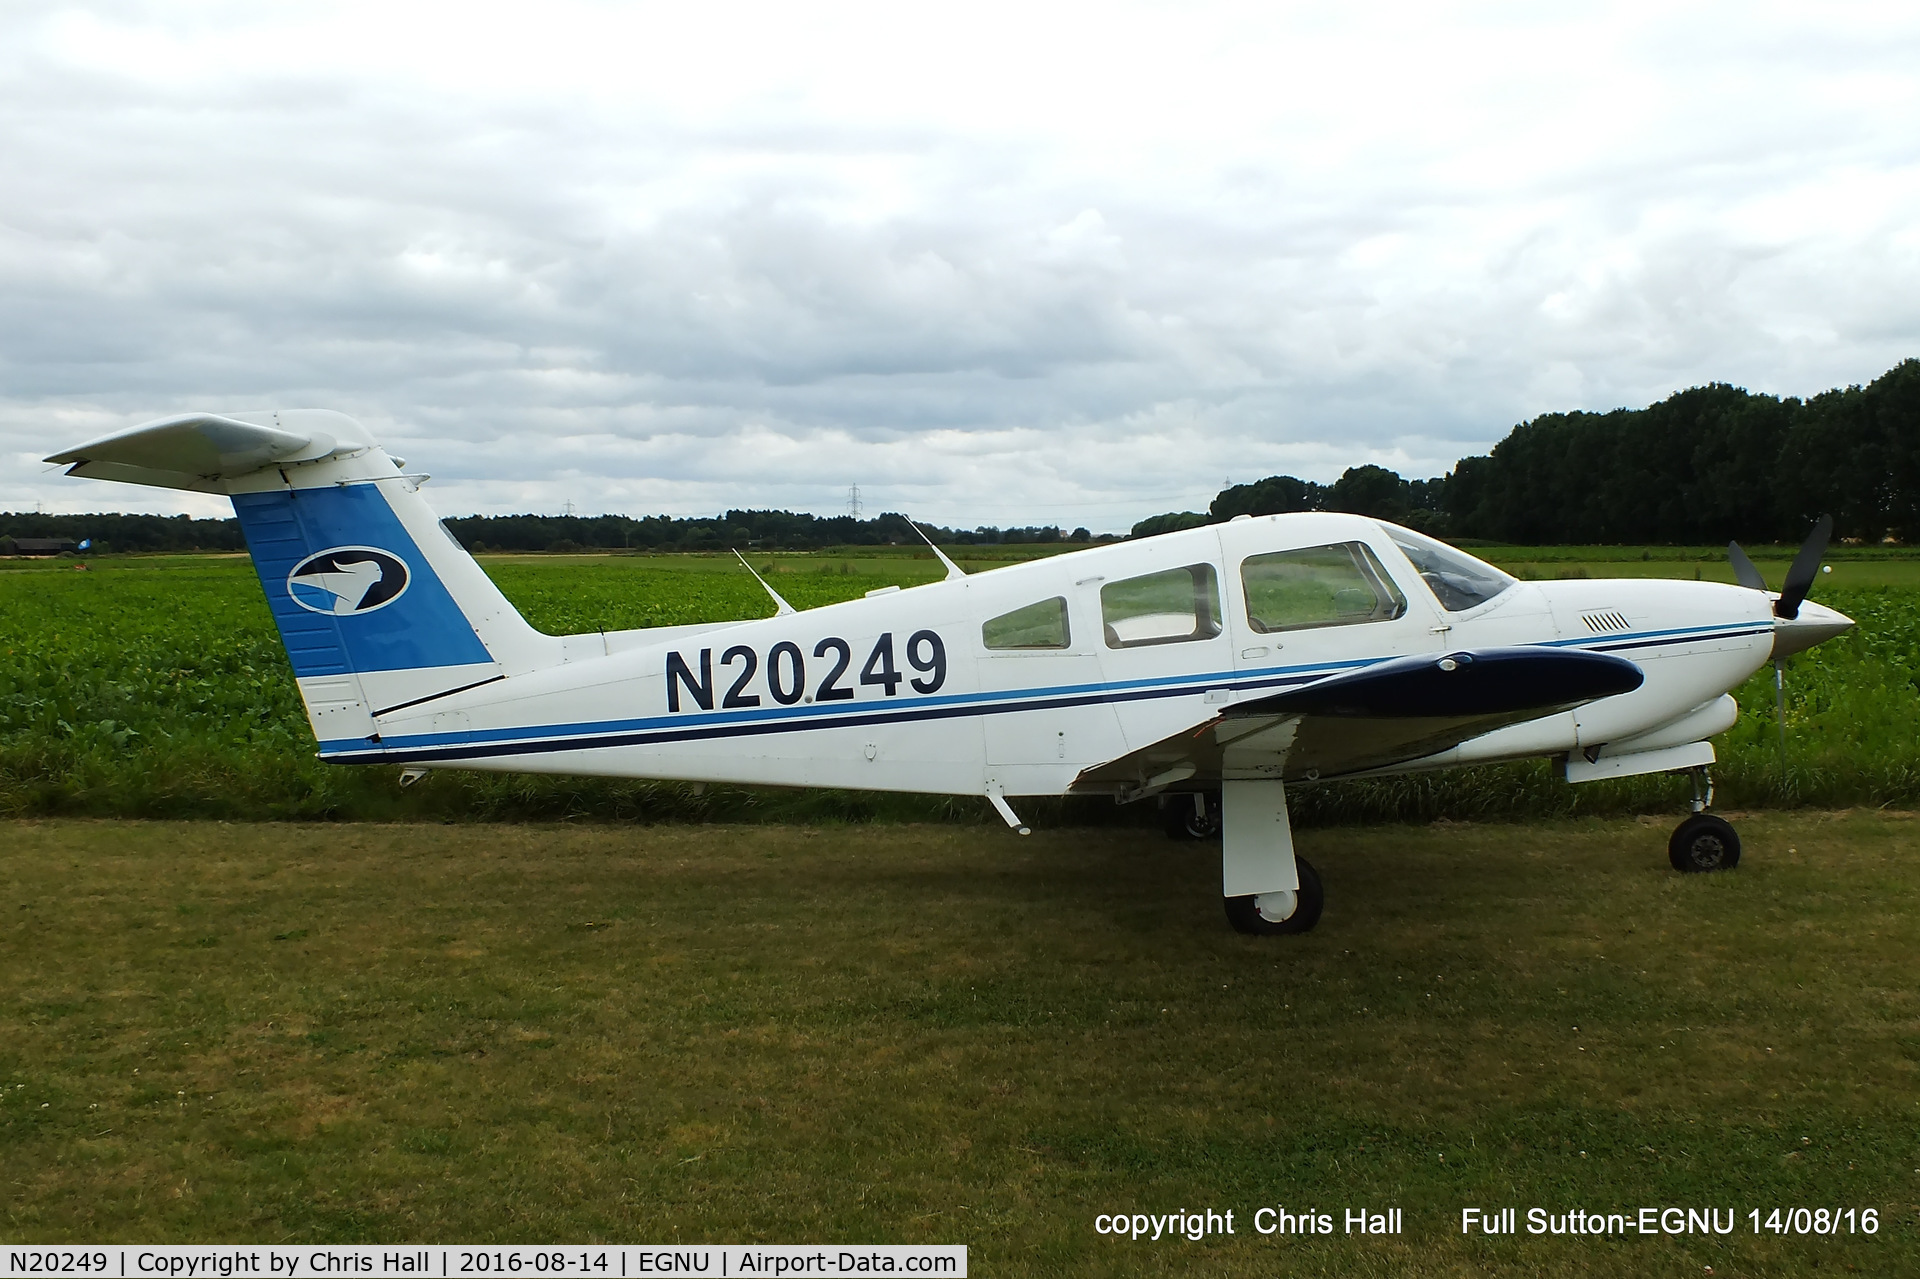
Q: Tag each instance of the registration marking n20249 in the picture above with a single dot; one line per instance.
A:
(745, 679)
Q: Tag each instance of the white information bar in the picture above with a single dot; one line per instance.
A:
(384, 1261)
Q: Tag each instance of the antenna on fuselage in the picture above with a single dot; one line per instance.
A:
(781, 607)
(953, 570)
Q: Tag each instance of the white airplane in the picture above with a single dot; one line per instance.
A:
(1211, 668)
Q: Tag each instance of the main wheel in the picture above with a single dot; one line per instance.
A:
(1702, 843)
(1272, 913)
(1183, 818)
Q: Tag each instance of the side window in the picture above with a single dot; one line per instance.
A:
(1162, 608)
(1042, 625)
(1337, 585)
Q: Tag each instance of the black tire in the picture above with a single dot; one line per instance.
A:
(1246, 917)
(1181, 821)
(1703, 843)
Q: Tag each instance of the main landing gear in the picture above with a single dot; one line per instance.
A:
(1266, 888)
(1287, 911)
(1703, 842)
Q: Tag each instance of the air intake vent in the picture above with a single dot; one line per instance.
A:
(1600, 623)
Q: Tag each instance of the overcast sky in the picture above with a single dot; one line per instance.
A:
(994, 263)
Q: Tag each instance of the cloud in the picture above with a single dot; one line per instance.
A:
(1068, 264)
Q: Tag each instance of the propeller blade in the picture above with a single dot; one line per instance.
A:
(1806, 566)
(1743, 570)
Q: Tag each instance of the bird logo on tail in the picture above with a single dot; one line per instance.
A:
(347, 581)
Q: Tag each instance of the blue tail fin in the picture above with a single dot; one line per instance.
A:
(380, 609)
(348, 586)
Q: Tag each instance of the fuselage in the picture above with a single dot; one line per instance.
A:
(1020, 680)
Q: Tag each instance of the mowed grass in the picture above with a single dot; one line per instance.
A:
(937, 1034)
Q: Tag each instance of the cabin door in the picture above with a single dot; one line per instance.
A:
(1303, 609)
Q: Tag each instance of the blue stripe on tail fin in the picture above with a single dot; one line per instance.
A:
(349, 588)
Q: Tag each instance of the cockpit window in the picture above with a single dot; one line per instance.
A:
(1457, 580)
(1336, 585)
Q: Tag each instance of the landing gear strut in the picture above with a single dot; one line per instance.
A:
(1703, 842)
(1267, 888)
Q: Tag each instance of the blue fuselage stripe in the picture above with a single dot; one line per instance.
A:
(788, 719)
(656, 730)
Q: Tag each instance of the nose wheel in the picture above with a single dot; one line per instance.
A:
(1703, 842)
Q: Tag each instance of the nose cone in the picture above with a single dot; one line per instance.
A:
(1816, 624)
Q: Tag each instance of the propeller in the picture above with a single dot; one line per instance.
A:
(1800, 575)
(1793, 593)
(1743, 570)
(1806, 566)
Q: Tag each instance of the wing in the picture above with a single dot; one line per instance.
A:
(1387, 713)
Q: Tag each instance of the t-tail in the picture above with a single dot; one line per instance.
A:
(379, 607)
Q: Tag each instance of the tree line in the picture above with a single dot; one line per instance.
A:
(114, 532)
(743, 530)
(1362, 490)
(1703, 465)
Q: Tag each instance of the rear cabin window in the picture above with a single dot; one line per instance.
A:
(1042, 625)
(1162, 608)
(1337, 585)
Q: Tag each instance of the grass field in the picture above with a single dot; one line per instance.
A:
(941, 1034)
(156, 687)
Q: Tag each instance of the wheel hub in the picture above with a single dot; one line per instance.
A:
(1277, 908)
(1708, 850)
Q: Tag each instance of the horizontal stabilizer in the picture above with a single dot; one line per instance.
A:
(195, 450)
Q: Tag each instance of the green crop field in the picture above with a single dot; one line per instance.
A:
(156, 687)
(903, 1033)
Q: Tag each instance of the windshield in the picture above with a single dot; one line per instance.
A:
(1457, 580)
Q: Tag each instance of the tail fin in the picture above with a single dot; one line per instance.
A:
(379, 607)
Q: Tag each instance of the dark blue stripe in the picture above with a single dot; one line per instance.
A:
(525, 741)
(1675, 635)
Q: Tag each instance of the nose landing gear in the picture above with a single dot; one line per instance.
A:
(1703, 842)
